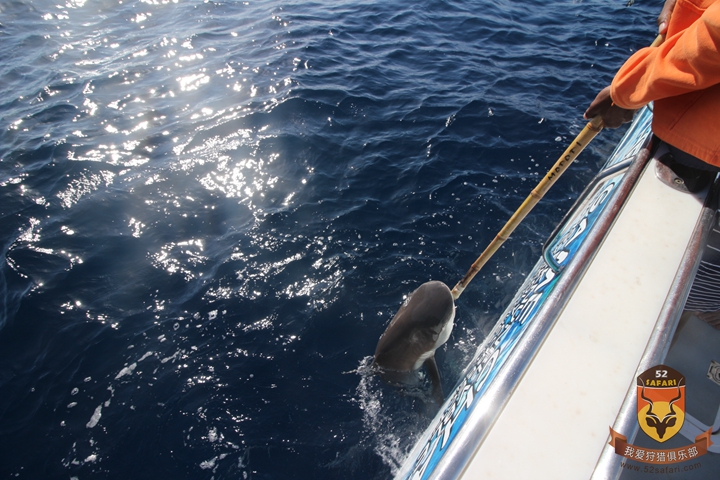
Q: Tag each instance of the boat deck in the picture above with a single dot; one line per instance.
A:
(559, 415)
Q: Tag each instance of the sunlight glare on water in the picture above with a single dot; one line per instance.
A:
(210, 211)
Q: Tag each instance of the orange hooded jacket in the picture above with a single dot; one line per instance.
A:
(682, 77)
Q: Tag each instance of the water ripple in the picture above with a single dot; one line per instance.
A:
(210, 210)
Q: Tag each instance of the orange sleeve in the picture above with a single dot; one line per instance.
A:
(685, 62)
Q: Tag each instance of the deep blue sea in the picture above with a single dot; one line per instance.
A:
(210, 210)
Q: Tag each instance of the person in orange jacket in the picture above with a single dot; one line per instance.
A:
(682, 78)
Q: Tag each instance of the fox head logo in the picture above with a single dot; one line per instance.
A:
(661, 402)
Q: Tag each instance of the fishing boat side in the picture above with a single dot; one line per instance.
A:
(513, 390)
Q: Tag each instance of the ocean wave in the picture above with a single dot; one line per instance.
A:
(211, 210)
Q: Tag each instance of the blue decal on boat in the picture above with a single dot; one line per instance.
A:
(572, 235)
(482, 370)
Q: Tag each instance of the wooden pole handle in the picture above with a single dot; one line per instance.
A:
(588, 133)
(569, 155)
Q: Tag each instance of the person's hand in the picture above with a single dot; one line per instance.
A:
(612, 115)
(663, 19)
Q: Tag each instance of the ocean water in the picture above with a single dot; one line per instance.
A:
(210, 210)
